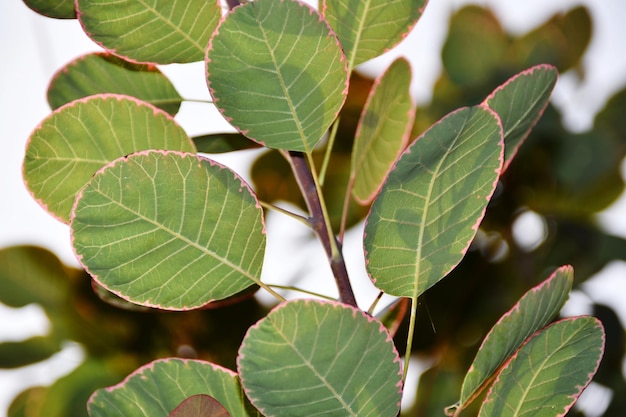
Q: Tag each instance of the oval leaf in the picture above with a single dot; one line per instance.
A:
(105, 73)
(76, 140)
(533, 311)
(547, 375)
(520, 102)
(156, 389)
(309, 358)
(367, 28)
(169, 230)
(432, 202)
(200, 405)
(383, 130)
(58, 9)
(277, 73)
(162, 32)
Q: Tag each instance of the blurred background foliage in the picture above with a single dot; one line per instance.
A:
(563, 178)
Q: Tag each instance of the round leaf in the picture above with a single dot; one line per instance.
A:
(162, 32)
(156, 389)
(546, 376)
(105, 73)
(277, 73)
(367, 28)
(169, 230)
(58, 9)
(77, 139)
(309, 358)
(200, 405)
(432, 201)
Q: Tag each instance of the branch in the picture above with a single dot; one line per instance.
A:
(320, 225)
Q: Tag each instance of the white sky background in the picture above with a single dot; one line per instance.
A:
(33, 48)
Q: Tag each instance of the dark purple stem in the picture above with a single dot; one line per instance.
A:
(316, 217)
(232, 4)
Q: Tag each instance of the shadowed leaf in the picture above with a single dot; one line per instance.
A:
(223, 142)
(200, 405)
(105, 73)
(58, 9)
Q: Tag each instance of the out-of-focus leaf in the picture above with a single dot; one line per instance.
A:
(475, 47)
(533, 311)
(176, 378)
(26, 352)
(561, 41)
(77, 139)
(144, 232)
(283, 83)
(162, 32)
(383, 130)
(318, 358)
(223, 142)
(368, 28)
(68, 395)
(427, 213)
(548, 374)
(199, 405)
(520, 102)
(105, 73)
(29, 274)
(393, 315)
(58, 9)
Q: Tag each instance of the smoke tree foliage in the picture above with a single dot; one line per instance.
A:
(158, 224)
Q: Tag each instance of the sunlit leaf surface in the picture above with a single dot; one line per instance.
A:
(520, 102)
(156, 389)
(367, 28)
(383, 130)
(310, 358)
(549, 372)
(162, 32)
(77, 139)
(277, 73)
(169, 230)
(105, 73)
(432, 201)
(534, 310)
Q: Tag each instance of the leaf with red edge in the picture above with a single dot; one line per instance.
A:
(200, 405)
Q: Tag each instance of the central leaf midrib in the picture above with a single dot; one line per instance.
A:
(283, 86)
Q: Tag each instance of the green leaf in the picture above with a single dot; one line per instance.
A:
(223, 142)
(546, 376)
(520, 102)
(105, 73)
(162, 32)
(277, 73)
(58, 9)
(309, 358)
(432, 201)
(169, 230)
(200, 405)
(533, 311)
(76, 140)
(383, 130)
(156, 389)
(367, 28)
(26, 352)
(29, 274)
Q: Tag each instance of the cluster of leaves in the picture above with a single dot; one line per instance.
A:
(158, 226)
